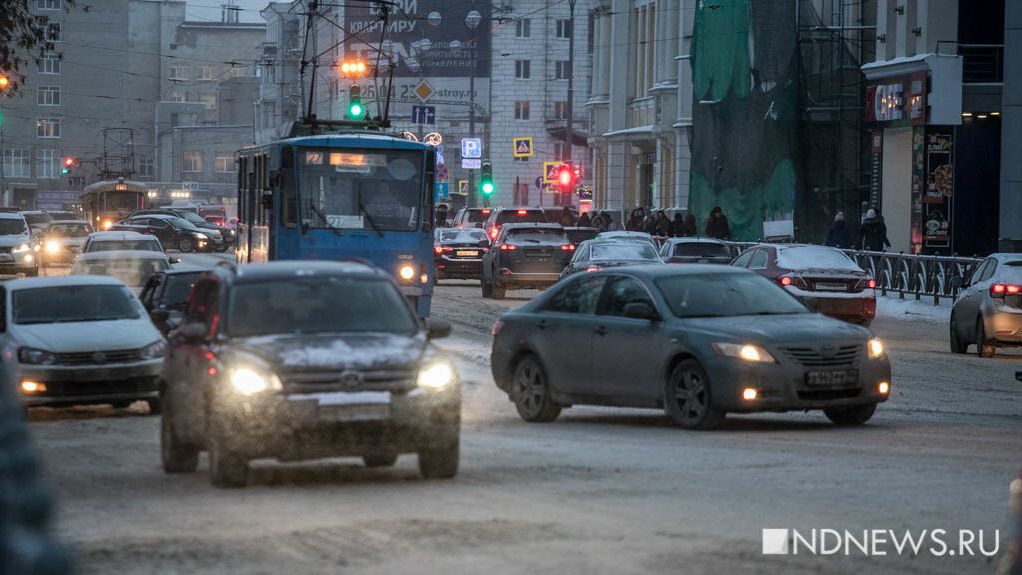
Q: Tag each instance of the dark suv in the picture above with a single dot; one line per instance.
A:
(500, 216)
(173, 232)
(525, 256)
(304, 360)
(227, 233)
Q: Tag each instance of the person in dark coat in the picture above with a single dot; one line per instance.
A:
(677, 225)
(874, 233)
(717, 225)
(663, 225)
(689, 228)
(837, 235)
(612, 226)
(567, 219)
(636, 220)
(584, 221)
(441, 216)
(649, 225)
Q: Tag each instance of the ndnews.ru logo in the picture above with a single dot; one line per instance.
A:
(881, 542)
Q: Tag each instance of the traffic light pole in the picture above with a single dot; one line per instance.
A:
(569, 128)
(469, 201)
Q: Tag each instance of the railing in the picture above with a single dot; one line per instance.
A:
(641, 112)
(982, 63)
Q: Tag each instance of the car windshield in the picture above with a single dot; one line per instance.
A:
(815, 258)
(701, 250)
(64, 216)
(477, 216)
(177, 289)
(726, 295)
(463, 236)
(190, 217)
(318, 305)
(127, 245)
(553, 236)
(69, 230)
(73, 303)
(361, 189)
(630, 251)
(12, 227)
(133, 271)
(180, 223)
(37, 218)
(1011, 271)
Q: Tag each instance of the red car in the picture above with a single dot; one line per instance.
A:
(824, 278)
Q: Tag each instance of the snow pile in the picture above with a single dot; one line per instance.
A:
(383, 350)
(909, 308)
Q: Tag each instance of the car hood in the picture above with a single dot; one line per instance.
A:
(88, 336)
(363, 351)
(769, 329)
(14, 240)
(66, 241)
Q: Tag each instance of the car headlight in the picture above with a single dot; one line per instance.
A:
(201, 236)
(876, 348)
(33, 356)
(22, 248)
(248, 381)
(746, 352)
(52, 247)
(154, 350)
(406, 272)
(437, 375)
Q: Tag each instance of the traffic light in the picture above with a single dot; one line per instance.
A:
(354, 69)
(486, 179)
(66, 163)
(566, 177)
(355, 109)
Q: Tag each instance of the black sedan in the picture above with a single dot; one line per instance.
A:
(525, 256)
(226, 233)
(172, 231)
(701, 341)
(593, 256)
(458, 253)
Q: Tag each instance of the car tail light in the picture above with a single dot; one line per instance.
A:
(497, 326)
(862, 284)
(438, 249)
(593, 268)
(792, 280)
(568, 247)
(507, 247)
(493, 232)
(785, 280)
(872, 284)
(1001, 290)
(522, 212)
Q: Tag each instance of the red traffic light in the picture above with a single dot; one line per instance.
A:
(565, 177)
(69, 162)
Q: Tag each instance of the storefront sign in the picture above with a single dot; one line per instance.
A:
(940, 185)
(897, 101)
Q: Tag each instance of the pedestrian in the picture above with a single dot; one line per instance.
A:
(837, 235)
(677, 225)
(874, 233)
(441, 216)
(612, 226)
(635, 220)
(584, 221)
(717, 225)
(567, 219)
(689, 228)
(862, 213)
(649, 225)
(663, 225)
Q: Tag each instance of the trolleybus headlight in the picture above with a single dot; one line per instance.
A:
(406, 272)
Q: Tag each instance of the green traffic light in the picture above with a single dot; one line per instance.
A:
(487, 188)
(65, 171)
(355, 111)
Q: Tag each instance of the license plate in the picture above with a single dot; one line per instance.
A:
(466, 253)
(538, 254)
(832, 378)
(348, 413)
(831, 287)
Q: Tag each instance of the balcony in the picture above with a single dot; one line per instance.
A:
(642, 112)
(556, 128)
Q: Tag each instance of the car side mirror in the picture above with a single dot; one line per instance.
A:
(958, 282)
(174, 260)
(437, 328)
(194, 332)
(159, 316)
(640, 310)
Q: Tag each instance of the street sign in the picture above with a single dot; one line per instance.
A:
(424, 115)
(550, 171)
(442, 190)
(423, 91)
(471, 148)
(471, 164)
(523, 147)
(433, 139)
(463, 187)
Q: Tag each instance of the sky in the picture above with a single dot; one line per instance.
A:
(209, 10)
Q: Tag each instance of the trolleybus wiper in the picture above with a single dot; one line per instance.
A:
(369, 219)
(322, 218)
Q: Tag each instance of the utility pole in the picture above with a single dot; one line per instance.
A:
(569, 128)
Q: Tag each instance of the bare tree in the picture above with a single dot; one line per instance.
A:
(23, 37)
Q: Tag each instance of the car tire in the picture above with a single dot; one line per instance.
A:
(530, 392)
(185, 245)
(688, 400)
(850, 415)
(441, 462)
(227, 467)
(957, 345)
(174, 454)
(379, 459)
(984, 347)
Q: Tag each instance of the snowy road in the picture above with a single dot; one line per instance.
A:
(598, 491)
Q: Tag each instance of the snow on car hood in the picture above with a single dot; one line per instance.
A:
(807, 327)
(338, 351)
(74, 337)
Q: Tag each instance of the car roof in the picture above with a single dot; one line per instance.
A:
(162, 216)
(696, 240)
(11, 216)
(540, 210)
(122, 255)
(285, 269)
(65, 222)
(33, 212)
(117, 235)
(1007, 257)
(531, 225)
(654, 271)
(624, 233)
(62, 281)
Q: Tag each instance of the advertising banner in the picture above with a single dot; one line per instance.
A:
(940, 187)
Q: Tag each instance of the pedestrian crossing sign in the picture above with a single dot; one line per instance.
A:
(523, 147)
(550, 171)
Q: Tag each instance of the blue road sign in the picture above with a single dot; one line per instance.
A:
(471, 148)
(442, 189)
(424, 115)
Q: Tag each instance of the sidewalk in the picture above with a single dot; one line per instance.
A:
(912, 310)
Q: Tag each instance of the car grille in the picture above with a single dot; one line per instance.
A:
(99, 357)
(817, 357)
(373, 380)
(145, 384)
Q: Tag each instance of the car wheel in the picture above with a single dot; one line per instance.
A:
(440, 462)
(227, 467)
(687, 398)
(957, 345)
(175, 455)
(850, 415)
(487, 289)
(185, 245)
(984, 347)
(530, 391)
(379, 459)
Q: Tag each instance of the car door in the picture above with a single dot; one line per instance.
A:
(188, 363)
(967, 309)
(562, 333)
(579, 262)
(635, 380)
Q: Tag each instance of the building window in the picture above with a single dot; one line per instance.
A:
(146, 168)
(522, 69)
(47, 166)
(561, 110)
(16, 164)
(209, 100)
(564, 28)
(47, 127)
(53, 32)
(176, 96)
(48, 4)
(561, 69)
(560, 150)
(241, 71)
(179, 72)
(206, 73)
(522, 159)
(225, 163)
(192, 161)
(523, 28)
(48, 96)
(48, 64)
(522, 110)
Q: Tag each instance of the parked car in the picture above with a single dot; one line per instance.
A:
(500, 216)
(165, 295)
(299, 360)
(80, 340)
(37, 220)
(131, 267)
(458, 253)
(593, 256)
(228, 234)
(695, 251)
(824, 278)
(525, 256)
(173, 232)
(701, 341)
(471, 217)
(62, 241)
(17, 251)
(121, 241)
(988, 309)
